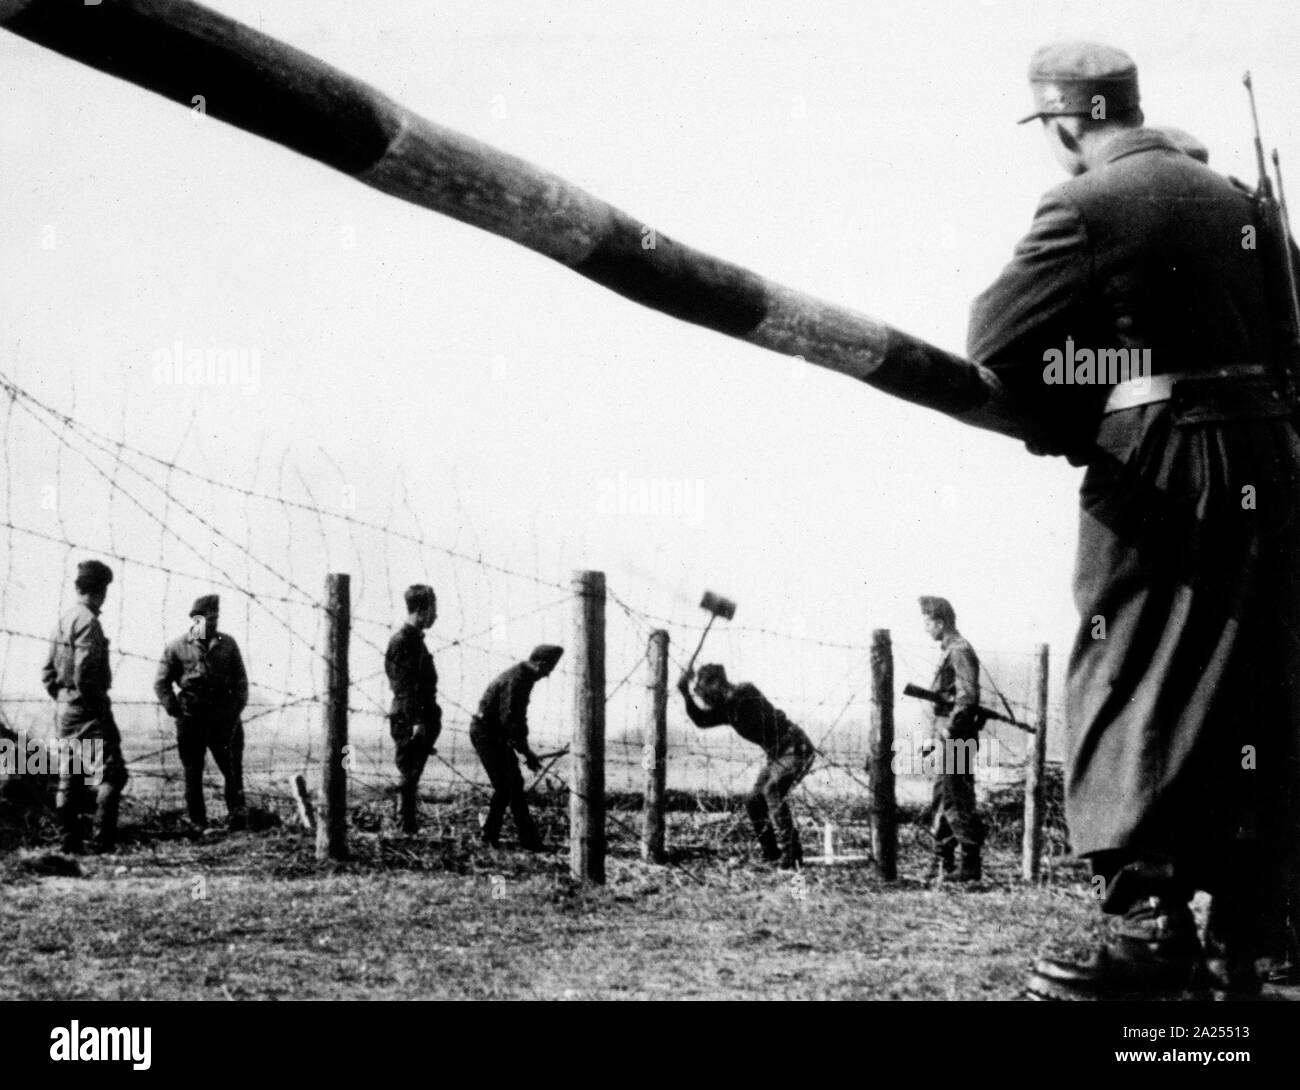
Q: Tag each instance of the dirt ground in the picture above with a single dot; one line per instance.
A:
(252, 916)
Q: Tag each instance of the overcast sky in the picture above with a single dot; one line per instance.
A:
(863, 152)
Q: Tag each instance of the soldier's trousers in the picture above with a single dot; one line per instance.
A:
(195, 736)
(767, 805)
(100, 766)
(954, 817)
(501, 764)
(412, 754)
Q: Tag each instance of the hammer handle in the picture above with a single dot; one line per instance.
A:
(700, 646)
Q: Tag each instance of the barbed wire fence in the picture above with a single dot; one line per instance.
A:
(173, 533)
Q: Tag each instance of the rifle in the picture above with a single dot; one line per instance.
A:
(1276, 228)
(941, 703)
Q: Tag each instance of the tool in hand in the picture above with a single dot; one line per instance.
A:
(717, 606)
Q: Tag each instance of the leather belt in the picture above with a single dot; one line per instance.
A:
(1149, 389)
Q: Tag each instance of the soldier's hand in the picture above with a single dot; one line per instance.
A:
(684, 682)
(962, 724)
(533, 762)
(1076, 456)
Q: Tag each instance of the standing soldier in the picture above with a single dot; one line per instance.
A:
(415, 720)
(77, 674)
(790, 754)
(500, 731)
(1181, 701)
(954, 816)
(202, 684)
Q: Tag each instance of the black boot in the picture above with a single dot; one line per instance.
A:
(943, 864)
(771, 850)
(972, 869)
(410, 809)
(1153, 954)
(105, 840)
(1230, 946)
(792, 855)
(70, 825)
(236, 809)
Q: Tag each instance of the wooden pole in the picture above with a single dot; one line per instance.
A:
(884, 826)
(266, 87)
(332, 825)
(306, 811)
(656, 748)
(1032, 859)
(587, 793)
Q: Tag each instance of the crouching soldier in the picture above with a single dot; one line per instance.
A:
(954, 819)
(415, 720)
(202, 684)
(790, 754)
(77, 674)
(499, 733)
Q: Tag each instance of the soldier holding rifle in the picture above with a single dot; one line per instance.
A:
(954, 815)
(1181, 703)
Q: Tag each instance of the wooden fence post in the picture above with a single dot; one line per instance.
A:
(655, 748)
(884, 810)
(1032, 858)
(332, 824)
(587, 792)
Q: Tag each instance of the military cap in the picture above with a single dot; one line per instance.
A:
(1066, 78)
(205, 604)
(546, 654)
(940, 608)
(93, 575)
(712, 674)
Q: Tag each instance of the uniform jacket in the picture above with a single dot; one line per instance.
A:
(77, 667)
(753, 717)
(957, 677)
(1189, 599)
(209, 675)
(1143, 252)
(413, 679)
(503, 711)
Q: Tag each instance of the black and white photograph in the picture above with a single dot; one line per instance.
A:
(570, 501)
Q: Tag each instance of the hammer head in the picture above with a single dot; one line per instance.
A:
(718, 605)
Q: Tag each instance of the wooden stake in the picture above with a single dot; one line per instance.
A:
(884, 825)
(1032, 858)
(306, 811)
(655, 748)
(332, 829)
(587, 792)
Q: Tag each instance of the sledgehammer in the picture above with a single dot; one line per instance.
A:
(717, 606)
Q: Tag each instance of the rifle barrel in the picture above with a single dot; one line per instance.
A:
(988, 713)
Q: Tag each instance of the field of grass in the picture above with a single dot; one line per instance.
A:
(252, 916)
